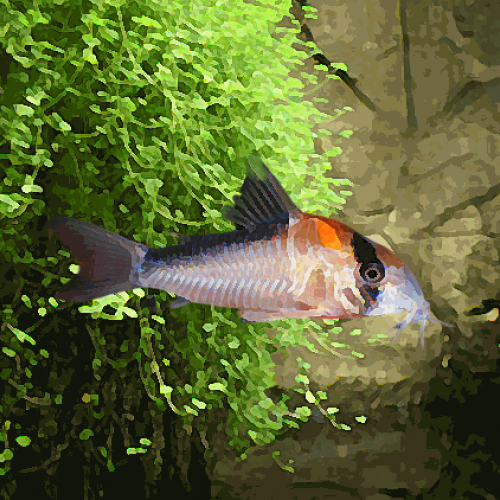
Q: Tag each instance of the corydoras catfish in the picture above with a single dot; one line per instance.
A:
(279, 263)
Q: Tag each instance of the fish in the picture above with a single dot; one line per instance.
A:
(279, 262)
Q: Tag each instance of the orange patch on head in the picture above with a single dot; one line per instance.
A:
(327, 235)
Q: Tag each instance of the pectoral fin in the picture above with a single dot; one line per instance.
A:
(179, 302)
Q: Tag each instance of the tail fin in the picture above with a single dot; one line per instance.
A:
(108, 262)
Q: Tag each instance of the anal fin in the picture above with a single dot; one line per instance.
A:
(263, 315)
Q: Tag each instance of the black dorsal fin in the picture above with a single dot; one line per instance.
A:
(262, 201)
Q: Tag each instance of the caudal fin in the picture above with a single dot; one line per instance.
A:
(108, 262)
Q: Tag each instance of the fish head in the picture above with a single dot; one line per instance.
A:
(388, 286)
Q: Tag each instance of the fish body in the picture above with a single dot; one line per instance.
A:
(279, 263)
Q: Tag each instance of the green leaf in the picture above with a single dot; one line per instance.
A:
(146, 21)
(8, 352)
(310, 397)
(303, 411)
(199, 103)
(89, 56)
(26, 300)
(33, 188)
(6, 455)
(217, 386)
(152, 185)
(64, 126)
(166, 389)
(321, 394)
(23, 441)
(131, 313)
(86, 434)
(23, 110)
(252, 434)
(9, 201)
(38, 17)
(200, 404)
(152, 154)
(90, 40)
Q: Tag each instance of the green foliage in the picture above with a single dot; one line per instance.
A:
(139, 116)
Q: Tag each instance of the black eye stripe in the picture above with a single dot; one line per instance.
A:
(364, 253)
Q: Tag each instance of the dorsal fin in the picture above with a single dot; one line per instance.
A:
(262, 201)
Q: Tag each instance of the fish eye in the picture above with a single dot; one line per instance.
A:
(373, 272)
